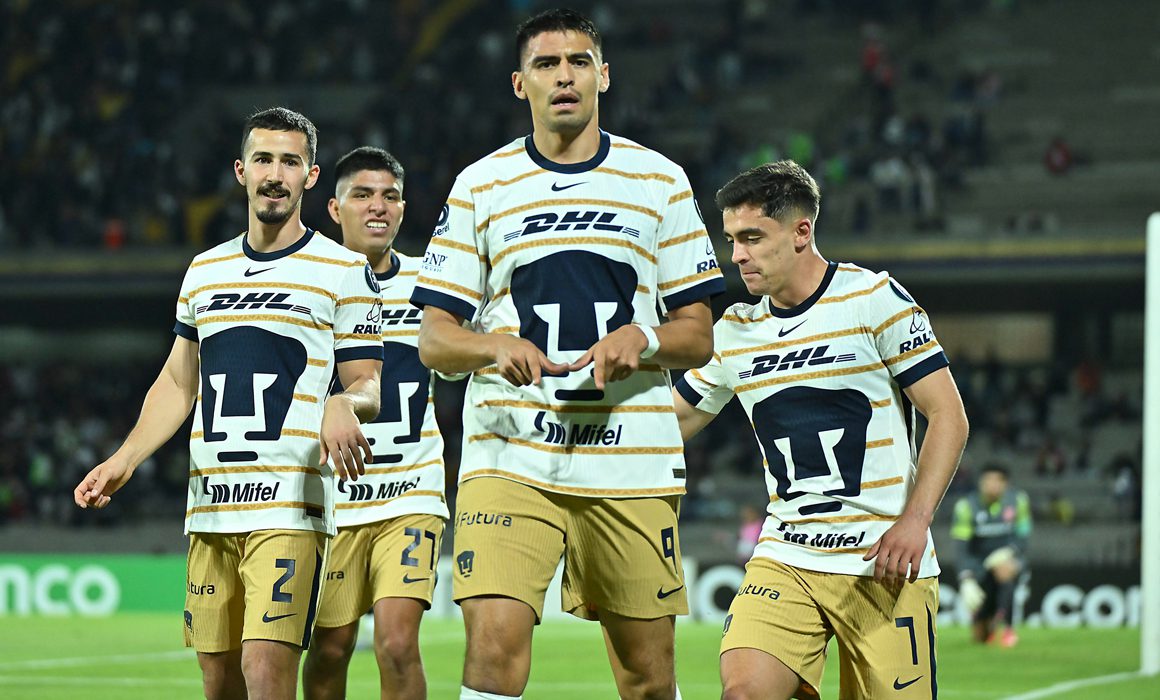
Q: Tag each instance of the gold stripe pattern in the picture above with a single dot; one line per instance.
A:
(575, 490)
(305, 397)
(407, 468)
(462, 204)
(503, 183)
(401, 334)
(317, 363)
(505, 154)
(800, 341)
(271, 318)
(860, 293)
(252, 469)
(683, 239)
(356, 336)
(687, 194)
(879, 443)
(327, 261)
(370, 504)
(881, 404)
(866, 518)
(577, 241)
(928, 345)
(508, 330)
(211, 261)
(448, 243)
(225, 507)
(664, 286)
(358, 300)
(807, 376)
(567, 408)
(450, 286)
(633, 146)
(668, 179)
(734, 318)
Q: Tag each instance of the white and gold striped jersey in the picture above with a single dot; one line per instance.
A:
(270, 329)
(405, 476)
(562, 255)
(822, 384)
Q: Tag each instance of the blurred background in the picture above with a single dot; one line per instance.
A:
(998, 157)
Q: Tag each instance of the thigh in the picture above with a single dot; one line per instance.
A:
(642, 648)
(623, 556)
(886, 637)
(775, 612)
(403, 554)
(508, 541)
(282, 571)
(346, 589)
(214, 595)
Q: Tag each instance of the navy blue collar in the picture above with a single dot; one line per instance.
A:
(277, 254)
(569, 168)
(803, 307)
(394, 270)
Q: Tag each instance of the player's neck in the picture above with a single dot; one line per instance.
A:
(270, 238)
(380, 260)
(804, 280)
(563, 148)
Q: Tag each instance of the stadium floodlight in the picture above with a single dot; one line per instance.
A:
(1150, 527)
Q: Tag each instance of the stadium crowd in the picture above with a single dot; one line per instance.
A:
(114, 138)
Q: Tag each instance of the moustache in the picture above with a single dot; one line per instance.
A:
(273, 192)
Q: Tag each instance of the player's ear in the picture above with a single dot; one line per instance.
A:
(518, 85)
(312, 175)
(605, 80)
(240, 172)
(804, 232)
(332, 207)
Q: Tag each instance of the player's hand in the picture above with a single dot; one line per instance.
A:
(615, 356)
(99, 485)
(901, 547)
(342, 439)
(520, 362)
(972, 594)
(1003, 564)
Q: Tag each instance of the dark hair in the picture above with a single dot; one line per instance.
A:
(368, 158)
(282, 119)
(557, 20)
(996, 468)
(781, 189)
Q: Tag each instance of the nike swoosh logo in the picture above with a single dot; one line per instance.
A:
(784, 332)
(251, 273)
(900, 686)
(267, 618)
(408, 579)
(662, 593)
(558, 188)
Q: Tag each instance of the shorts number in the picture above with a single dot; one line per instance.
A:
(278, 595)
(417, 537)
(908, 623)
(669, 544)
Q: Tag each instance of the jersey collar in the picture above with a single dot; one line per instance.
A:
(277, 254)
(831, 268)
(569, 168)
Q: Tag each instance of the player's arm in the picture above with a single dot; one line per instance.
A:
(691, 420)
(166, 405)
(446, 346)
(904, 544)
(685, 340)
(341, 435)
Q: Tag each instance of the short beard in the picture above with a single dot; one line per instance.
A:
(273, 216)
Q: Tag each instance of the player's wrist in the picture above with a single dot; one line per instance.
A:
(652, 342)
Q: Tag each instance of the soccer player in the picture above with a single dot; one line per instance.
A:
(390, 522)
(991, 527)
(828, 365)
(556, 250)
(262, 322)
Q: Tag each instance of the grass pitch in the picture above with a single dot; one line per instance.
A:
(139, 656)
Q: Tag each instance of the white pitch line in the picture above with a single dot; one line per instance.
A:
(80, 661)
(1072, 685)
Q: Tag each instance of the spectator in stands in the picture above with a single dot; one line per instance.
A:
(1058, 158)
(750, 531)
(991, 527)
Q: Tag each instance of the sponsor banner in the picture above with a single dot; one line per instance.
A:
(86, 585)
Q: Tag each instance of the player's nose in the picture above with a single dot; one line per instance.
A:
(739, 254)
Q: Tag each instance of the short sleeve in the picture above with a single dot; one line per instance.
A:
(186, 325)
(906, 342)
(706, 389)
(686, 262)
(454, 269)
(358, 316)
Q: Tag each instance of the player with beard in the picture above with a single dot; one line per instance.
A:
(390, 523)
(263, 322)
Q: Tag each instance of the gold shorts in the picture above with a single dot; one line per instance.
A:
(886, 635)
(620, 555)
(393, 558)
(254, 585)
